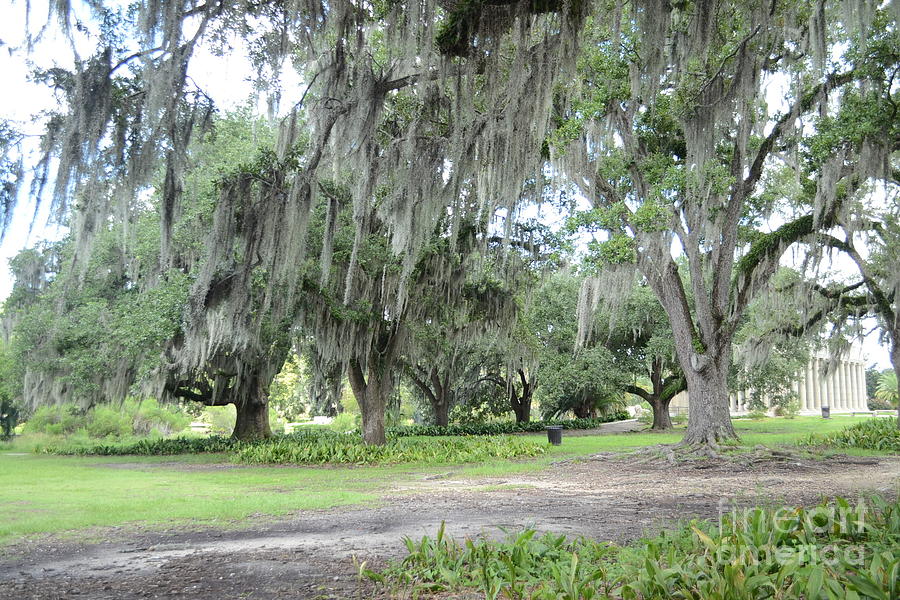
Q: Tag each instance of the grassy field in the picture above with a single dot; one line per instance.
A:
(50, 494)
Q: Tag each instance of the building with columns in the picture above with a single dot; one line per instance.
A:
(842, 388)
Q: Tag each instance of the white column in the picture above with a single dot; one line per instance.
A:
(828, 389)
(852, 388)
(861, 386)
(804, 386)
(820, 384)
(843, 400)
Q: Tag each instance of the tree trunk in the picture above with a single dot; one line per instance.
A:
(437, 390)
(895, 362)
(372, 390)
(704, 351)
(585, 410)
(522, 411)
(709, 418)
(661, 419)
(521, 404)
(441, 412)
(252, 422)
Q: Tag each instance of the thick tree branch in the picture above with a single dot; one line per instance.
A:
(639, 391)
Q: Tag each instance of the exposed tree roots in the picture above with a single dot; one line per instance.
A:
(728, 456)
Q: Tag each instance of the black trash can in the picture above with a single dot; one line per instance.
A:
(826, 412)
(554, 434)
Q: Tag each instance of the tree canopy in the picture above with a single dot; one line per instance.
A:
(380, 212)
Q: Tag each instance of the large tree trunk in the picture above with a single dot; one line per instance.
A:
(709, 417)
(242, 380)
(250, 390)
(704, 353)
(521, 404)
(372, 390)
(661, 419)
(252, 422)
(252, 386)
(441, 409)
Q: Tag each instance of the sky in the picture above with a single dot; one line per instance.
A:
(223, 78)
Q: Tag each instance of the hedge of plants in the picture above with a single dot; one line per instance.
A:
(321, 447)
(145, 447)
(351, 450)
(833, 551)
(873, 434)
(502, 427)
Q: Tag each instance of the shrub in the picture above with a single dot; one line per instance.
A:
(879, 404)
(834, 550)
(501, 427)
(220, 419)
(345, 422)
(106, 421)
(872, 434)
(788, 409)
(56, 420)
(131, 417)
(151, 417)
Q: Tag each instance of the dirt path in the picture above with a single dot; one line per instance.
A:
(311, 554)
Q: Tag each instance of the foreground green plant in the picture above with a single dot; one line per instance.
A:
(833, 551)
(872, 434)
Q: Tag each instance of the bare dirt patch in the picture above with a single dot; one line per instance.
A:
(313, 554)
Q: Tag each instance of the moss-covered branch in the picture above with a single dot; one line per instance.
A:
(456, 34)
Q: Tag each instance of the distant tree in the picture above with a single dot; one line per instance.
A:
(584, 380)
(872, 373)
(439, 357)
(288, 392)
(638, 334)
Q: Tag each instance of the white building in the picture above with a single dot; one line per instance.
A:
(842, 389)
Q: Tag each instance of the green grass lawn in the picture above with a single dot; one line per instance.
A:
(40, 494)
(51, 494)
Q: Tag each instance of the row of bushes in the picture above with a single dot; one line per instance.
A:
(130, 418)
(833, 551)
(351, 450)
(872, 434)
(503, 427)
(320, 447)
(144, 447)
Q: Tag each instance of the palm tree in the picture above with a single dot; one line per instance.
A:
(887, 387)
